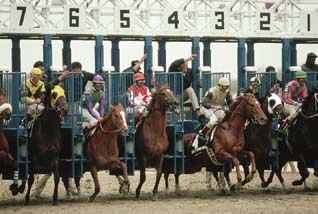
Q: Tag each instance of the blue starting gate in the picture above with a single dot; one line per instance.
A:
(15, 133)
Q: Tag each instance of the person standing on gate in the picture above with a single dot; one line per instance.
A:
(135, 65)
(275, 85)
(181, 65)
(94, 101)
(310, 64)
(139, 96)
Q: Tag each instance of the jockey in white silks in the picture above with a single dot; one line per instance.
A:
(213, 100)
(139, 95)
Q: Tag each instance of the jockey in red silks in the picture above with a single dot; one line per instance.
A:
(139, 95)
(93, 107)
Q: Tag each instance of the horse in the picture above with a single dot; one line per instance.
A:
(228, 141)
(6, 159)
(258, 138)
(102, 148)
(151, 137)
(300, 142)
(45, 140)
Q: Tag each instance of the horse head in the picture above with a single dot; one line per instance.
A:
(58, 100)
(118, 119)
(252, 109)
(5, 107)
(309, 107)
(273, 105)
(165, 97)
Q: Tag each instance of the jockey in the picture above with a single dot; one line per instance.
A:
(213, 100)
(294, 94)
(33, 93)
(93, 106)
(212, 103)
(253, 88)
(139, 95)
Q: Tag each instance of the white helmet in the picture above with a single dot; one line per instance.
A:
(224, 81)
(255, 80)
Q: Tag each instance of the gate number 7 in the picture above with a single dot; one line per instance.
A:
(23, 9)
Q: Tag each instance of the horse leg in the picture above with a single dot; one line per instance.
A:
(227, 168)
(94, 173)
(67, 187)
(280, 178)
(14, 188)
(142, 167)
(176, 176)
(303, 171)
(56, 182)
(227, 156)
(124, 184)
(158, 177)
(22, 186)
(166, 177)
(250, 176)
(208, 178)
(30, 182)
(78, 186)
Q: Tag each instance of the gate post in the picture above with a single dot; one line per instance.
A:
(67, 53)
(293, 54)
(285, 61)
(207, 53)
(47, 53)
(148, 61)
(99, 53)
(162, 54)
(241, 63)
(115, 54)
(196, 64)
(250, 54)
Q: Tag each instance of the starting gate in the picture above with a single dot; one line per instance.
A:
(268, 79)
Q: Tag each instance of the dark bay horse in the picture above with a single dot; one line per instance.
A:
(102, 148)
(300, 141)
(6, 159)
(151, 137)
(45, 141)
(228, 141)
(258, 138)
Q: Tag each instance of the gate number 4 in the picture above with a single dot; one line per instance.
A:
(173, 19)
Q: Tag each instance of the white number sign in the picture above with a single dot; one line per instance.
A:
(21, 16)
(74, 17)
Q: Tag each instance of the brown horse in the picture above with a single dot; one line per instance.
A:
(151, 137)
(46, 140)
(228, 140)
(6, 159)
(102, 148)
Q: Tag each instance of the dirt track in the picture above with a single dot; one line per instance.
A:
(193, 198)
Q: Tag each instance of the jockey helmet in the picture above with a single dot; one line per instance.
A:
(300, 75)
(98, 79)
(224, 81)
(138, 76)
(36, 72)
(255, 81)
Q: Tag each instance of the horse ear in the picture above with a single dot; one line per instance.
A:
(158, 85)
(111, 107)
(268, 94)
(54, 95)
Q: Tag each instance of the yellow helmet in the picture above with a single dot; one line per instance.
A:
(36, 72)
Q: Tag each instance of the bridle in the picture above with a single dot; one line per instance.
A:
(109, 131)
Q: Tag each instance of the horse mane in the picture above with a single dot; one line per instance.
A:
(306, 102)
(231, 109)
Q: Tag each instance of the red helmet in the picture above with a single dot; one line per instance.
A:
(138, 76)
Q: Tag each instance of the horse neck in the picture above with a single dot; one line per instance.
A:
(53, 126)
(157, 117)
(237, 121)
(108, 123)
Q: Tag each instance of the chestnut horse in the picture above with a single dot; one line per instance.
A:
(228, 140)
(102, 148)
(151, 137)
(46, 140)
(6, 159)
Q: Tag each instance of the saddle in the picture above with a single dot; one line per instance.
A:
(201, 146)
(89, 132)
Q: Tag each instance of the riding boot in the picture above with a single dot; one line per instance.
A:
(137, 117)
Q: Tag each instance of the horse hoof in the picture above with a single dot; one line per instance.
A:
(27, 203)
(21, 188)
(155, 197)
(14, 189)
(297, 183)
(55, 203)
(124, 189)
(223, 191)
(90, 199)
(264, 184)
